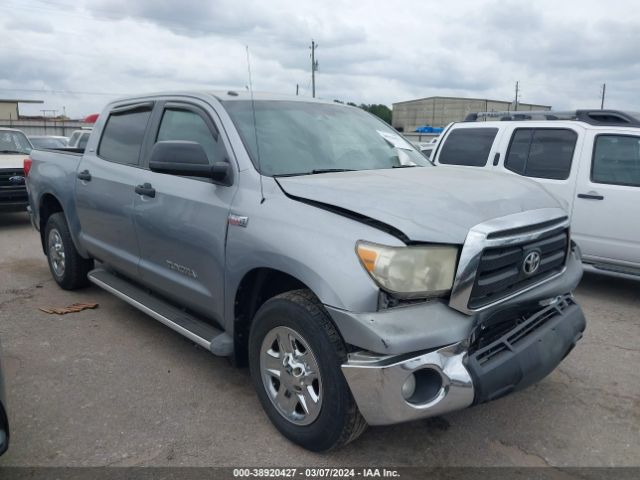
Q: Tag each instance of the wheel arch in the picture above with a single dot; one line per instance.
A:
(256, 287)
(49, 204)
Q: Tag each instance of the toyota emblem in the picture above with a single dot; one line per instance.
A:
(531, 262)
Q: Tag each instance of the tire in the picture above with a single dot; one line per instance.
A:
(68, 268)
(331, 418)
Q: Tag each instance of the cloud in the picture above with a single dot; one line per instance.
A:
(82, 54)
(29, 25)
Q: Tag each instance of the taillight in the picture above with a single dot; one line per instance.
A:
(26, 166)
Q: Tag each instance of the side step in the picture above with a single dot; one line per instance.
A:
(616, 271)
(202, 333)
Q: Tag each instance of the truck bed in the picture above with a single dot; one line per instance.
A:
(53, 171)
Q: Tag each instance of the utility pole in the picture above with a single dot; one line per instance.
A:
(297, 89)
(314, 67)
(516, 102)
(44, 118)
(604, 90)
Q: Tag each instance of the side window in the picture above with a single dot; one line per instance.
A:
(468, 146)
(123, 135)
(178, 124)
(616, 160)
(74, 137)
(82, 143)
(541, 152)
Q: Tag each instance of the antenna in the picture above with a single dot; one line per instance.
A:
(255, 125)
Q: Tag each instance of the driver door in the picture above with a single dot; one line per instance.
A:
(182, 227)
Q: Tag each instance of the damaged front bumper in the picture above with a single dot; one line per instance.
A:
(397, 388)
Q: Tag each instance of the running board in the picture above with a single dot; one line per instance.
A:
(202, 333)
(621, 272)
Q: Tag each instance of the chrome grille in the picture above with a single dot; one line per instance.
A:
(10, 192)
(500, 270)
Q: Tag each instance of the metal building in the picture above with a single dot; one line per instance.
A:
(9, 108)
(440, 111)
(36, 125)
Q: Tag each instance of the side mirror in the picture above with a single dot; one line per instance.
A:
(176, 157)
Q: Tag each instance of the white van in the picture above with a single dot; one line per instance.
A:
(589, 158)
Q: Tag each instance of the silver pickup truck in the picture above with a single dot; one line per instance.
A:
(361, 284)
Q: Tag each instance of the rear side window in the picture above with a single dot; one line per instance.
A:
(616, 160)
(84, 139)
(541, 152)
(123, 135)
(178, 124)
(468, 146)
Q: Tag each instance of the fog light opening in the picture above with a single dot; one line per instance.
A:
(423, 386)
(409, 387)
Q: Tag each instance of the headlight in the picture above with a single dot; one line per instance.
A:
(410, 272)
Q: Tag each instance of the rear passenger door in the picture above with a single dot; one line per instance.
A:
(546, 155)
(606, 214)
(182, 229)
(106, 178)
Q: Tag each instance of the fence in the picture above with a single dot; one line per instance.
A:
(51, 126)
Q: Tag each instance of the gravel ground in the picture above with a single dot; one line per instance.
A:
(112, 386)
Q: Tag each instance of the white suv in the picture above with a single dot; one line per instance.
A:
(588, 158)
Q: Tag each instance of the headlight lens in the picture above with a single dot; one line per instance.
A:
(410, 272)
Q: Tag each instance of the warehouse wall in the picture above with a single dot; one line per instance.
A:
(8, 110)
(440, 111)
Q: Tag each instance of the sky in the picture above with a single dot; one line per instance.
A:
(78, 55)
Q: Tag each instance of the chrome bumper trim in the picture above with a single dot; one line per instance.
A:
(376, 384)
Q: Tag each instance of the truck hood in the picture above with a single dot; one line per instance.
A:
(12, 160)
(427, 204)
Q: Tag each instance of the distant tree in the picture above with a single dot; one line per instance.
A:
(378, 109)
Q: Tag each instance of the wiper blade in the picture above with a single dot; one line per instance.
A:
(332, 170)
(11, 151)
(404, 166)
(314, 172)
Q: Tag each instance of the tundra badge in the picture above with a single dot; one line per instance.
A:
(182, 269)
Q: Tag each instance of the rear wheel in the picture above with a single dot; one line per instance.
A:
(68, 268)
(295, 355)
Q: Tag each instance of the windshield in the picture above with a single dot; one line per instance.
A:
(13, 142)
(296, 138)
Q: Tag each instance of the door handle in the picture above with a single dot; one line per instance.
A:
(146, 190)
(496, 159)
(84, 175)
(590, 196)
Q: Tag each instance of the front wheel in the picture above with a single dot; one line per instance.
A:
(295, 355)
(68, 268)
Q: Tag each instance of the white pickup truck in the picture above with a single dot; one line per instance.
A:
(588, 158)
(14, 147)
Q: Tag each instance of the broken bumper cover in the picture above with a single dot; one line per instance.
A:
(394, 389)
